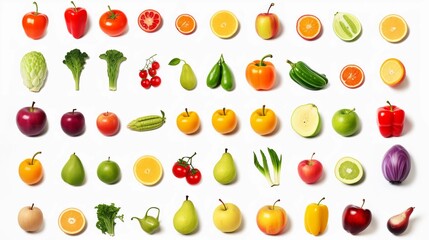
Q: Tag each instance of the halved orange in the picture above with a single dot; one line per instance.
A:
(224, 24)
(72, 221)
(393, 28)
(352, 76)
(148, 170)
(392, 72)
(186, 24)
(308, 27)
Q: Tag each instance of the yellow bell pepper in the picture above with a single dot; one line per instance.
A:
(316, 218)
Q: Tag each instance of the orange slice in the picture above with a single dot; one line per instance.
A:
(72, 221)
(308, 27)
(148, 170)
(224, 24)
(393, 28)
(185, 24)
(352, 76)
(392, 71)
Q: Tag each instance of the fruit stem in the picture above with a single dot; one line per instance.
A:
(272, 4)
(226, 150)
(157, 216)
(363, 202)
(321, 200)
(290, 62)
(32, 106)
(74, 6)
(221, 58)
(263, 110)
(74, 110)
(224, 111)
(187, 197)
(32, 159)
(390, 105)
(312, 155)
(351, 110)
(278, 200)
(37, 9)
(32, 206)
(261, 63)
(224, 206)
(187, 113)
(112, 15)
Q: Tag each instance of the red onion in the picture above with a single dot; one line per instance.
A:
(396, 164)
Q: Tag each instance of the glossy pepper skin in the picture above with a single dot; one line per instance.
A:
(261, 74)
(76, 20)
(390, 120)
(316, 218)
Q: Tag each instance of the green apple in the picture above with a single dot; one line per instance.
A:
(306, 121)
(108, 171)
(267, 24)
(345, 122)
(227, 217)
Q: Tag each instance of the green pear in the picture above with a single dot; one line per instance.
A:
(225, 171)
(185, 220)
(73, 172)
(188, 80)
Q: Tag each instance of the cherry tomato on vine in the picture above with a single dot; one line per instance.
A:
(155, 65)
(194, 176)
(181, 169)
(143, 74)
(155, 81)
(152, 72)
(145, 83)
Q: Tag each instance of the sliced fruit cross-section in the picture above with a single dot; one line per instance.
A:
(72, 221)
(185, 24)
(309, 27)
(392, 71)
(349, 170)
(347, 26)
(148, 170)
(149, 20)
(305, 120)
(224, 24)
(393, 28)
(352, 76)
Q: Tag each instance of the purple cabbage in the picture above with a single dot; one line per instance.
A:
(396, 164)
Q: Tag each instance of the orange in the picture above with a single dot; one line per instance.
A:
(72, 221)
(148, 170)
(392, 71)
(31, 170)
(308, 27)
(224, 24)
(393, 28)
(185, 24)
(352, 76)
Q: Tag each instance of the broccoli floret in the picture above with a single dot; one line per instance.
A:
(114, 58)
(75, 61)
(107, 214)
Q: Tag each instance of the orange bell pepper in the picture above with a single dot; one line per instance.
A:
(316, 218)
(260, 74)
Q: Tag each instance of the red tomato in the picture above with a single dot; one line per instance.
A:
(35, 23)
(113, 22)
(194, 176)
(155, 81)
(108, 123)
(181, 169)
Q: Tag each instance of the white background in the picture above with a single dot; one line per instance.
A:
(328, 54)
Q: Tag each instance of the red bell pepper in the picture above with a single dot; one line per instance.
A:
(76, 20)
(391, 120)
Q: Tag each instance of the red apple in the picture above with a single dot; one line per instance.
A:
(271, 219)
(73, 123)
(267, 24)
(108, 123)
(356, 219)
(310, 170)
(31, 121)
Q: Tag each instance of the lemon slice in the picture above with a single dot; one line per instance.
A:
(393, 28)
(392, 72)
(347, 26)
(224, 24)
(348, 170)
(148, 170)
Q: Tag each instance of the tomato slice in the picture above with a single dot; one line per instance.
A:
(150, 20)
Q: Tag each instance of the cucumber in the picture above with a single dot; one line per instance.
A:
(303, 84)
(215, 75)
(147, 123)
(307, 77)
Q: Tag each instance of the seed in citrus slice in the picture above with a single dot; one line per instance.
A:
(149, 20)
(393, 28)
(392, 71)
(308, 27)
(224, 24)
(72, 221)
(348, 170)
(185, 24)
(352, 76)
(148, 170)
(347, 26)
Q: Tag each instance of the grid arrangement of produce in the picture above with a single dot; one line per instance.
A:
(189, 130)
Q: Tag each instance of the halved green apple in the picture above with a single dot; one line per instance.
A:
(306, 121)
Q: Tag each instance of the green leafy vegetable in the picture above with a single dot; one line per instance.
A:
(276, 162)
(107, 214)
(75, 61)
(34, 70)
(114, 58)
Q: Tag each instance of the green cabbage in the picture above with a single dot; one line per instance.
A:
(34, 70)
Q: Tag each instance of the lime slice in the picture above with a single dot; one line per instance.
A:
(348, 170)
(346, 26)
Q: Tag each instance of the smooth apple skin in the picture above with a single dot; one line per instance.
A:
(267, 25)
(73, 123)
(356, 219)
(310, 170)
(31, 121)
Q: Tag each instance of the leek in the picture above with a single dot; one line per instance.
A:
(276, 162)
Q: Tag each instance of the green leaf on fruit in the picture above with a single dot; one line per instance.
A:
(174, 61)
